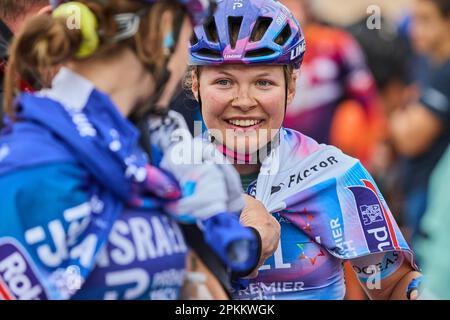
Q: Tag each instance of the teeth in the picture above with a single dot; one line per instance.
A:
(244, 123)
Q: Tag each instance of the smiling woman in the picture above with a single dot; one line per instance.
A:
(246, 105)
(327, 204)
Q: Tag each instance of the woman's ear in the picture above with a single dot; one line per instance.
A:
(292, 86)
(45, 10)
(195, 84)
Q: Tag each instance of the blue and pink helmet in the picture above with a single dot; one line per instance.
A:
(267, 33)
(198, 10)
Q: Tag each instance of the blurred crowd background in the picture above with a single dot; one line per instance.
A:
(376, 83)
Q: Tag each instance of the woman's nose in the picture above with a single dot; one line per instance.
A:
(243, 100)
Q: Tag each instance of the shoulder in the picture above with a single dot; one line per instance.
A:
(35, 195)
(170, 122)
(45, 180)
(304, 152)
(165, 130)
(303, 146)
(43, 192)
(300, 142)
(26, 145)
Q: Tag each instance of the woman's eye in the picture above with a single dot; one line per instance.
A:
(223, 82)
(263, 83)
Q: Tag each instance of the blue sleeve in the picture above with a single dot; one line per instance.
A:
(42, 208)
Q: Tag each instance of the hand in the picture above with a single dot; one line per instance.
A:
(256, 215)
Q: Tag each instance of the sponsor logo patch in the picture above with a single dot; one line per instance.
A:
(375, 222)
(371, 214)
(17, 277)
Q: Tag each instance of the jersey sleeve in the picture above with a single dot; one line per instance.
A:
(48, 235)
(347, 215)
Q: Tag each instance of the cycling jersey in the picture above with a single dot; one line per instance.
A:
(329, 209)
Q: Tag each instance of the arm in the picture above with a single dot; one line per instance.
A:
(386, 276)
(48, 210)
(359, 83)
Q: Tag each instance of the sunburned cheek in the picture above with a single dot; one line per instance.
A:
(275, 119)
(214, 104)
(274, 107)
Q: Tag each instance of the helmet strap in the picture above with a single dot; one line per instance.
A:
(286, 80)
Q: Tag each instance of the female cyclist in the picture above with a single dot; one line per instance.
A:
(84, 209)
(243, 75)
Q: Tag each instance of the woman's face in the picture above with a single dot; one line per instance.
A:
(243, 106)
(429, 28)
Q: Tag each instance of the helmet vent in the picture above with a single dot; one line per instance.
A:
(194, 39)
(260, 28)
(234, 25)
(211, 31)
(208, 53)
(284, 35)
(259, 53)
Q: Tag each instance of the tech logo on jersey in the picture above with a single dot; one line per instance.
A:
(371, 214)
(375, 221)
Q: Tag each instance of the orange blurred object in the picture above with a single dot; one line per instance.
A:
(357, 132)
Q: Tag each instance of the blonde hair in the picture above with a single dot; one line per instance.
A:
(45, 43)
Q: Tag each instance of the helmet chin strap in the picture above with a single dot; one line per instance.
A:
(286, 80)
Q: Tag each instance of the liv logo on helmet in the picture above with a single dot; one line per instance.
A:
(297, 51)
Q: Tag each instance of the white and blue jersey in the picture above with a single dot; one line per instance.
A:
(79, 218)
(329, 210)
